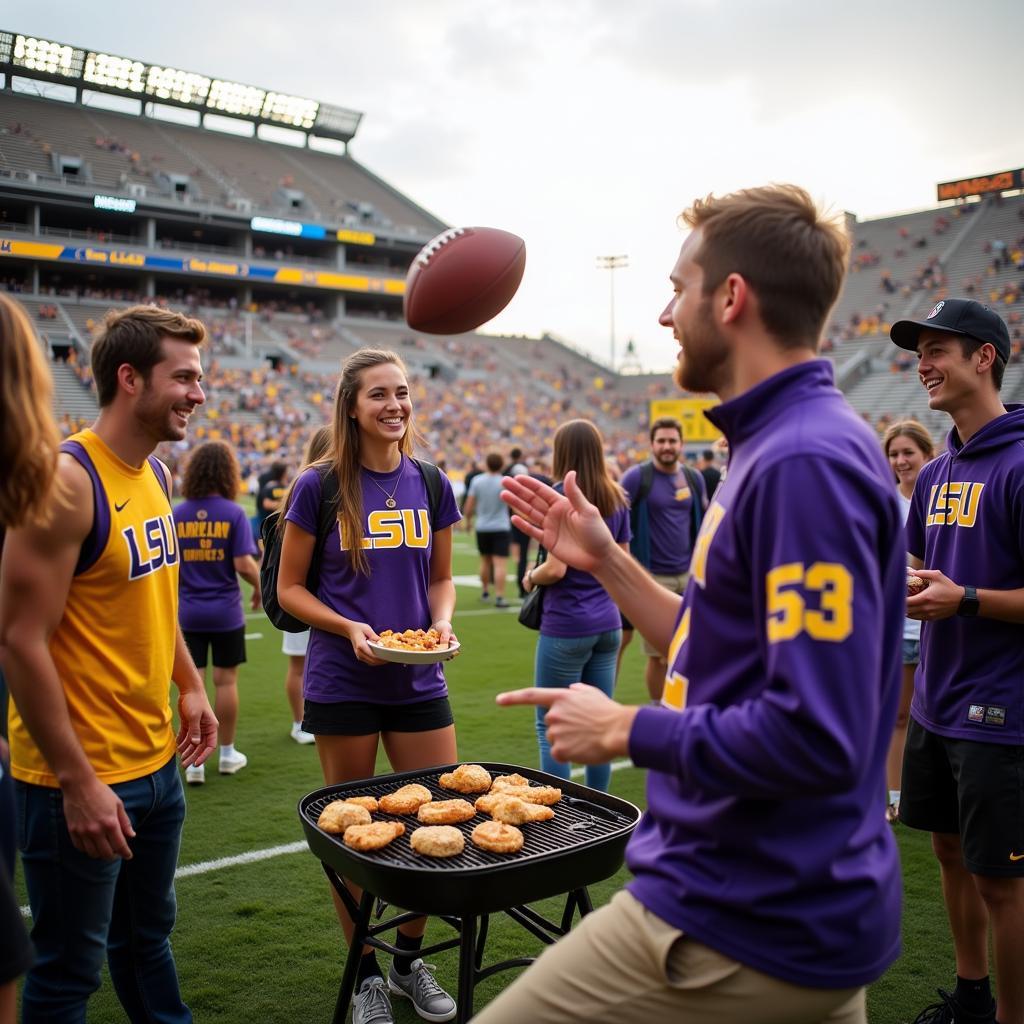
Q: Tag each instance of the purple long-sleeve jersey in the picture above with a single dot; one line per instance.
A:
(764, 836)
(967, 520)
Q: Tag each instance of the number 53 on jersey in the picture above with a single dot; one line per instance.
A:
(815, 599)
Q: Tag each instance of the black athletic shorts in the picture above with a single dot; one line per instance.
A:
(360, 718)
(968, 787)
(228, 648)
(493, 542)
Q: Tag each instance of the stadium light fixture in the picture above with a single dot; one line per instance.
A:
(180, 86)
(611, 264)
(104, 69)
(43, 55)
(293, 110)
(235, 98)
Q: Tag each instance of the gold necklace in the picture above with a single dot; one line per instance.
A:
(390, 502)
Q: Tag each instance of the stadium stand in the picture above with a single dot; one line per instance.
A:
(283, 311)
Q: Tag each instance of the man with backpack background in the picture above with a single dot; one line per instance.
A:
(667, 502)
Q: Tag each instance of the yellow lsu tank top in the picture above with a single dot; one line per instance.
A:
(114, 648)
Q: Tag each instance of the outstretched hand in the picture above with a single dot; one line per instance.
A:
(583, 724)
(568, 525)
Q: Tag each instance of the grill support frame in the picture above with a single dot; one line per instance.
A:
(471, 940)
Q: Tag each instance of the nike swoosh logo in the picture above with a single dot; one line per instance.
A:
(1016, 857)
(118, 508)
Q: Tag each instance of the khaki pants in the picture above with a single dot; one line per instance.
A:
(677, 585)
(623, 964)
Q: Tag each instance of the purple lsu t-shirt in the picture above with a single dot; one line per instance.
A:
(212, 533)
(967, 520)
(398, 545)
(763, 836)
(577, 605)
(669, 515)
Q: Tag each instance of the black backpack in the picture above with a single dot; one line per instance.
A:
(272, 537)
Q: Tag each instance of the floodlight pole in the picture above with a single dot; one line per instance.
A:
(611, 264)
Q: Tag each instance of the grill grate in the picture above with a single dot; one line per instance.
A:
(580, 821)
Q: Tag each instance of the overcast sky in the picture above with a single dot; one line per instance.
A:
(587, 125)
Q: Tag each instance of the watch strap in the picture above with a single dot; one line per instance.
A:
(970, 604)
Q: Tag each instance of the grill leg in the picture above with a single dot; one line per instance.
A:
(481, 940)
(361, 923)
(467, 969)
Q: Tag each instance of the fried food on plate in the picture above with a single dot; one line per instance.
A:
(406, 800)
(504, 781)
(445, 812)
(340, 815)
(497, 837)
(374, 836)
(437, 841)
(513, 811)
(467, 778)
(534, 794)
(369, 802)
(412, 640)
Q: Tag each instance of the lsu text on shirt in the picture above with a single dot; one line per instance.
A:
(764, 836)
(114, 647)
(398, 543)
(967, 520)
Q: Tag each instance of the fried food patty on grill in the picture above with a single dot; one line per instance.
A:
(373, 836)
(369, 802)
(445, 812)
(340, 815)
(437, 841)
(405, 800)
(497, 837)
(504, 781)
(513, 811)
(467, 778)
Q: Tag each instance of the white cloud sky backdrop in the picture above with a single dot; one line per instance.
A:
(587, 125)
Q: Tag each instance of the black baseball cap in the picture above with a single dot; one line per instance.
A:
(956, 316)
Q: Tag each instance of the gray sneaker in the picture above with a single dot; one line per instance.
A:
(429, 1000)
(371, 1004)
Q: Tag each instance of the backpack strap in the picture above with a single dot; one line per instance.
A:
(432, 479)
(696, 504)
(646, 483)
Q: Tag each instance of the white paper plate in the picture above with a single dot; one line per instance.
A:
(414, 657)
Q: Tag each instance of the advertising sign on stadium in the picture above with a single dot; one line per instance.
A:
(983, 184)
(92, 254)
(697, 428)
(295, 228)
(114, 203)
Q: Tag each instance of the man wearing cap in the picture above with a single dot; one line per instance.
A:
(963, 770)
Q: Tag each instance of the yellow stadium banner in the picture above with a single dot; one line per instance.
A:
(690, 413)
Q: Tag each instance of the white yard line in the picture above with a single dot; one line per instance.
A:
(253, 636)
(253, 856)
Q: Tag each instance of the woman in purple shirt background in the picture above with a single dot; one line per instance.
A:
(216, 547)
(580, 629)
(386, 565)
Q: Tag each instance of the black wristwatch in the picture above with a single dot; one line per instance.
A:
(970, 605)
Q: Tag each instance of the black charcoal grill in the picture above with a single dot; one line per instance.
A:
(583, 844)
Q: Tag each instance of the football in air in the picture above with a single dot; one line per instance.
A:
(463, 278)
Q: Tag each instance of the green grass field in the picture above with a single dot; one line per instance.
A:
(259, 941)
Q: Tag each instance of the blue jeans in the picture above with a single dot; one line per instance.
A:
(84, 909)
(562, 661)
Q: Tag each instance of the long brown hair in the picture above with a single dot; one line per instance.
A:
(578, 445)
(917, 432)
(212, 469)
(29, 439)
(344, 451)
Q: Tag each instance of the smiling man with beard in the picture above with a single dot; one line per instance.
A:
(89, 640)
(766, 880)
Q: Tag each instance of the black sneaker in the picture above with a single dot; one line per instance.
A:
(949, 1011)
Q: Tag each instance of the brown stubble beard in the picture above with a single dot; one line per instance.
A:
(703, 359)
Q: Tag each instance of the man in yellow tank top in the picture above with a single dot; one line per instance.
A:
(89, 640)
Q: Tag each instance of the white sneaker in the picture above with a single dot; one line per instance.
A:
(371, 1004)
(301, 736)
(230, 765)
(195, 775)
